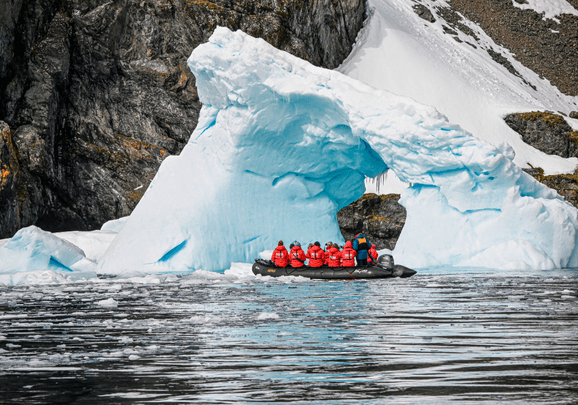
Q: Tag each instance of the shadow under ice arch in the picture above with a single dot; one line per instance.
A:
(282, 145)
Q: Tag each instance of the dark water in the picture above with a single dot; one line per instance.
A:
(436, 338)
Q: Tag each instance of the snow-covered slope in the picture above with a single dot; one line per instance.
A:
(400, 52)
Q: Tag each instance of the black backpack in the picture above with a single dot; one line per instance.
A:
(363, 244)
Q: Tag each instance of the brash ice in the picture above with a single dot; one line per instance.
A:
(282, 145)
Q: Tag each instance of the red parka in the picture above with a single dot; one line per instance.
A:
(333, 257)
(316, 256)
(280, 256)
(372, 255)
(297, 257)
(348, 255)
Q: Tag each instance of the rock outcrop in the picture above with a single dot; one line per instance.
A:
(380, 217)
(545, 131)
(96, 94)
(549, 133)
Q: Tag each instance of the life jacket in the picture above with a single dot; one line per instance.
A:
(372, 257)
(362, 243)
(334, 257)
(280, 256)
(348, 255)
(297, 257)
(316, 256)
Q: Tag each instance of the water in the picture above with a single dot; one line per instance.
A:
(439, 337)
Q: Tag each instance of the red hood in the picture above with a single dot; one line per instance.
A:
(333, 249)
(280, 247)
(316, 248)
(373, 246)
(348, 244)
(294, 248)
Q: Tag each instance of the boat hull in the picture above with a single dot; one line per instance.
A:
(267, 268)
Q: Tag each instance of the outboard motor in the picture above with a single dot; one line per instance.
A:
(386, 261)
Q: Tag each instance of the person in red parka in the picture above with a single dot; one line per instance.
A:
(333, 256)
(280, 255)
(372, 257)
(297, 255)
(348, 255)
(316, 255)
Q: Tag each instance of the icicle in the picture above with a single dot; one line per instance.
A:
(378, 180)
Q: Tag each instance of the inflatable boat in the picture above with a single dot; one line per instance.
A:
(385, 268)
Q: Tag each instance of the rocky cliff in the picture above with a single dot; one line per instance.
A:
(95, 94)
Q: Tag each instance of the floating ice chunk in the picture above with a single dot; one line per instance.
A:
(207, 277)
(204, 319)
(32, 249)
(133, 357)
(241, 270)
(111, 303)
(45, 277)
(267, 315)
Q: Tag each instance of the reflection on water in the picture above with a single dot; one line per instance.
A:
(440, 336)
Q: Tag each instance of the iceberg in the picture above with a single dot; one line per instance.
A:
(34, 256)
(282, 145)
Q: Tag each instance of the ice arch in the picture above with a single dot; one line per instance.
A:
(282, 145)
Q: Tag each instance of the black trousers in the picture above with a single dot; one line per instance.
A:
(362, 262)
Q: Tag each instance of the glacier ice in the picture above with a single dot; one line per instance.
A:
(35, 256)
(282, 145)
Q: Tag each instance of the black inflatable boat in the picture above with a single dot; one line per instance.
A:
(384, 269)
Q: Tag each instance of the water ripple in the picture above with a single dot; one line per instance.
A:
(433, 338)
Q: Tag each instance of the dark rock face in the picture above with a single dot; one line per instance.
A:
(98, 93)
(381, 218)
(548, 48)
(573, 114)
(547, 132)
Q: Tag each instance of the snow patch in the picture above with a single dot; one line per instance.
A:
(550, 8)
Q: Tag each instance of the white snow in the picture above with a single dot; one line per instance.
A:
(399, 52)
(282, 145)
(550, 8)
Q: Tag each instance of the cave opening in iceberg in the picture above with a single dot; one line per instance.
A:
(282, 145)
